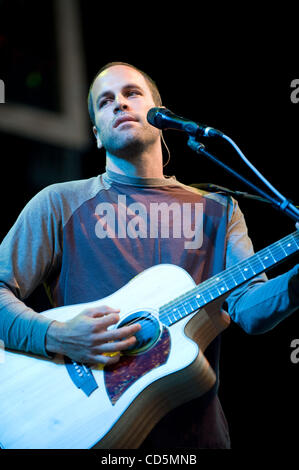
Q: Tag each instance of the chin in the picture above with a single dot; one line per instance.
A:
(130, 146)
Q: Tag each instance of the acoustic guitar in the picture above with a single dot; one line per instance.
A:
(58, 403)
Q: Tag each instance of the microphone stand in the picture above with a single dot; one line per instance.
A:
(282, 203)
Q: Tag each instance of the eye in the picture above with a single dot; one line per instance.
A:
(133, 92)
(104, 102)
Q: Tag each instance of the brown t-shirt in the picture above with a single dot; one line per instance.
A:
(85, 239)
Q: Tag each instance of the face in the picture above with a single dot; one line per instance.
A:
(121, 100)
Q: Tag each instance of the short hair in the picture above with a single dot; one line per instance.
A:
(151, 84)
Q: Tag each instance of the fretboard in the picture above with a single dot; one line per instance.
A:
(228, 279)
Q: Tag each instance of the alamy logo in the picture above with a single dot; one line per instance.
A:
(295, 93)
(157, 220)
(295, 353)
(2, 91)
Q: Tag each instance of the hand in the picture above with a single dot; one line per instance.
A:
(85, 338)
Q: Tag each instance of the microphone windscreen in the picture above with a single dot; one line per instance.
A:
(151, 116)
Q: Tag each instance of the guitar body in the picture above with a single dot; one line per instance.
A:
(41, 407)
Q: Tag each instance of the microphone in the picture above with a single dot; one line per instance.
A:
(163, 118)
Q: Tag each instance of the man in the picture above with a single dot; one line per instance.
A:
(65, 239)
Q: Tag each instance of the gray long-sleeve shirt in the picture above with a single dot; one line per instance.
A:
(85, 239)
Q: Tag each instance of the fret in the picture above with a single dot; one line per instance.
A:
(202, 295)
(242, 272)
(173, 314)
(282, 247)
(250, 267)
(258, 258)
(219, 292)
(177, 313)
(195, 304)
(230, 282)
(282, 251)
(181, 311)
(186, 310)
(212, 291)
(258, 266)
(275, 258)
(170, 314)
(198, 299)
(237, 275)
(247, 271)
(265, 258)
(172, 318)
(291, 246)
(234, 280)
(278, 252)
(228, 279)
(220, 288)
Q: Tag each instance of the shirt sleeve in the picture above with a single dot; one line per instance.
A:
(28, 253)
(260, 304)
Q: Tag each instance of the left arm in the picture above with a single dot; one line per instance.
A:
(263, 305)
(260, 304)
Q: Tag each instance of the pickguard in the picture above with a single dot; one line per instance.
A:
(120, 376)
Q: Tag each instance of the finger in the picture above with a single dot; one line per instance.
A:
(117, 333)
(125, 331)
(101, 324)
(115, 346)
(100, 311)
(105, 310)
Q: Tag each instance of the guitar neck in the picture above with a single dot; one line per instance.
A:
(229, 279)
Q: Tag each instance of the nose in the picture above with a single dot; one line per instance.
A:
(120, 104)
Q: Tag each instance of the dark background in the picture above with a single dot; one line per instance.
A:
(230, 72)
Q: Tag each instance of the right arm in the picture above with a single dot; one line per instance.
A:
(28, 254)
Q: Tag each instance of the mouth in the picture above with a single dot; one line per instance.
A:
(125, 118)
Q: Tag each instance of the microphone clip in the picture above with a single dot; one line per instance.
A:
(195, 145)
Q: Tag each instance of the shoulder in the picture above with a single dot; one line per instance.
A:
(218, 198)
(84, 188)
(60, 200)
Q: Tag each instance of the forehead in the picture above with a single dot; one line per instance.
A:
(115, 78)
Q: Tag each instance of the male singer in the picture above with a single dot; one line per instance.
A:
(64, 239)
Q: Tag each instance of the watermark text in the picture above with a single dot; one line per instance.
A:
(295, 352)
(2, 91)
(295, 93)
(154, 220)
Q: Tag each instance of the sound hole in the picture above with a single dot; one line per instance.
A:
(148, 335)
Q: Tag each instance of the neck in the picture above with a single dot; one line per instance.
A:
(146, 164)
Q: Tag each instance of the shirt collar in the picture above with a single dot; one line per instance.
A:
(138, 180)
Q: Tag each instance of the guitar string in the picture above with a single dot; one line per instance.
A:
(223, 277)
(188, 299)
(185, 298)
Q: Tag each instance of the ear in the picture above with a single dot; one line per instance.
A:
(99, 142)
